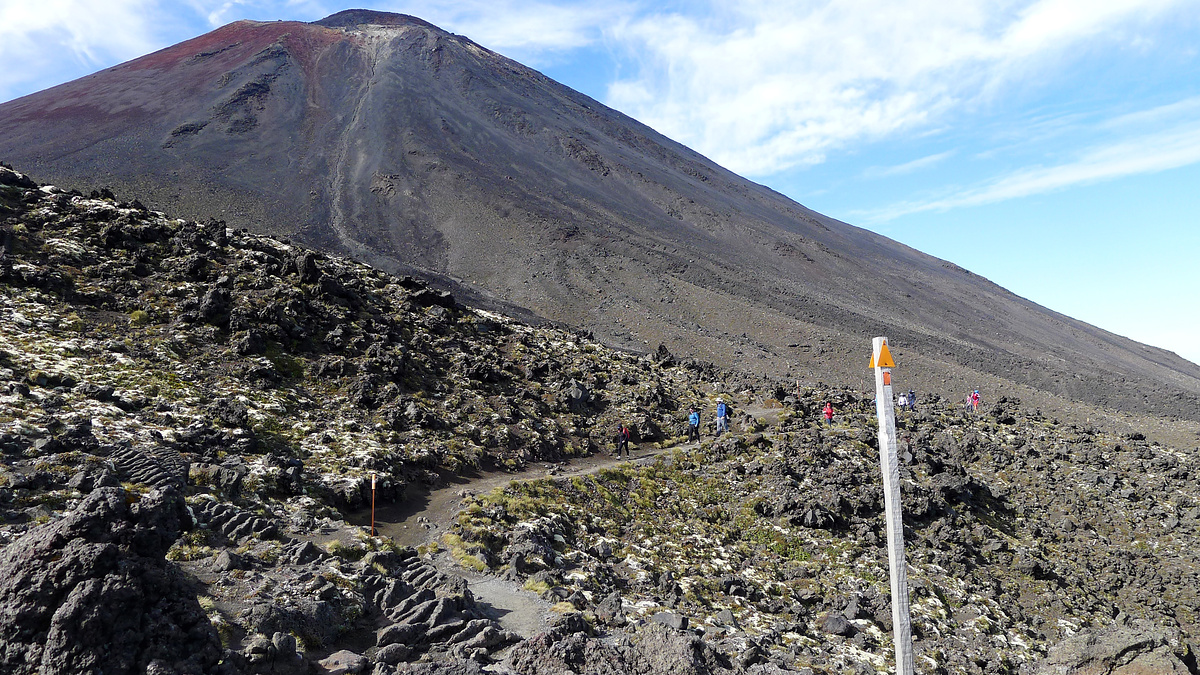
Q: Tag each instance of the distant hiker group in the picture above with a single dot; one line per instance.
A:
(905, 401)
(724, 412)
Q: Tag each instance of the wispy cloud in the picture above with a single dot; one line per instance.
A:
(528, 27)
(523, 30)
(1179, 111)
(1046, 24)
(217, 13)
(58, 40)
(1138, 154)
(907, 167)
(767, 85)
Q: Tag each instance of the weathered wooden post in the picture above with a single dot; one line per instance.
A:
(882, 362)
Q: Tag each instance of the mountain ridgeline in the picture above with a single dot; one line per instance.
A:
(415, 150)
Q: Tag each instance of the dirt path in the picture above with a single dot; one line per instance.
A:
(514, 608)
(424, 514)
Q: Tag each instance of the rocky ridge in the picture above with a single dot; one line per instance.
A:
(270, 383)
(1023, 535)
(188, 414)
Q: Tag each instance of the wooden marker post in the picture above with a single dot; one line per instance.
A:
(882, 363)
(372, 505)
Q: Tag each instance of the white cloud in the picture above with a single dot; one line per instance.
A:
(1049, 24)
(57, 40)
(1137, 154)
(773, 84)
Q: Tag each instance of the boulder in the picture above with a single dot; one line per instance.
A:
(441, 667)
(392, 654)
(226, 561)
(1136, 648)
(570, 622)
(725, 617)
(658, 651)
(344, 662)
(610, 610)
(837, 624)
(670, 620)
(315, 621)
(668, 652)
(92, 592)
(89, 479)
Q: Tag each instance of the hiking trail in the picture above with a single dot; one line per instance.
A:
(425, 513)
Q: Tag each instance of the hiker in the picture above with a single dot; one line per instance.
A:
(694, 426)
(722, 416)
(903, 401)
(828, 411)
(975, 400)
(622, 440)
(912, 400)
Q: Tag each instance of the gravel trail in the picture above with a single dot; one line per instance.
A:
(425, 514)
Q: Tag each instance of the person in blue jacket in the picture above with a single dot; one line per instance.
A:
(722, 416)
(694, 425)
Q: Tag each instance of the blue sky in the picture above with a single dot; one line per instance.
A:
(1052, 146)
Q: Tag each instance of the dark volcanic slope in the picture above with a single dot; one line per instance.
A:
(414, 149)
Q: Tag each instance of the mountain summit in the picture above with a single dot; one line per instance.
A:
(415, 150)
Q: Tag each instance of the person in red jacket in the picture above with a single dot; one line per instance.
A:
(622, 440)
(828, 413)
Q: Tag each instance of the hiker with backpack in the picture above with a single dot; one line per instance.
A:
(622, 440)
(722, 416)
(975, 400)
(693, 433)
(828, 411)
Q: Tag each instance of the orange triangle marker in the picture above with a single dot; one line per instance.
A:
(872, 365)
(885, 357)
